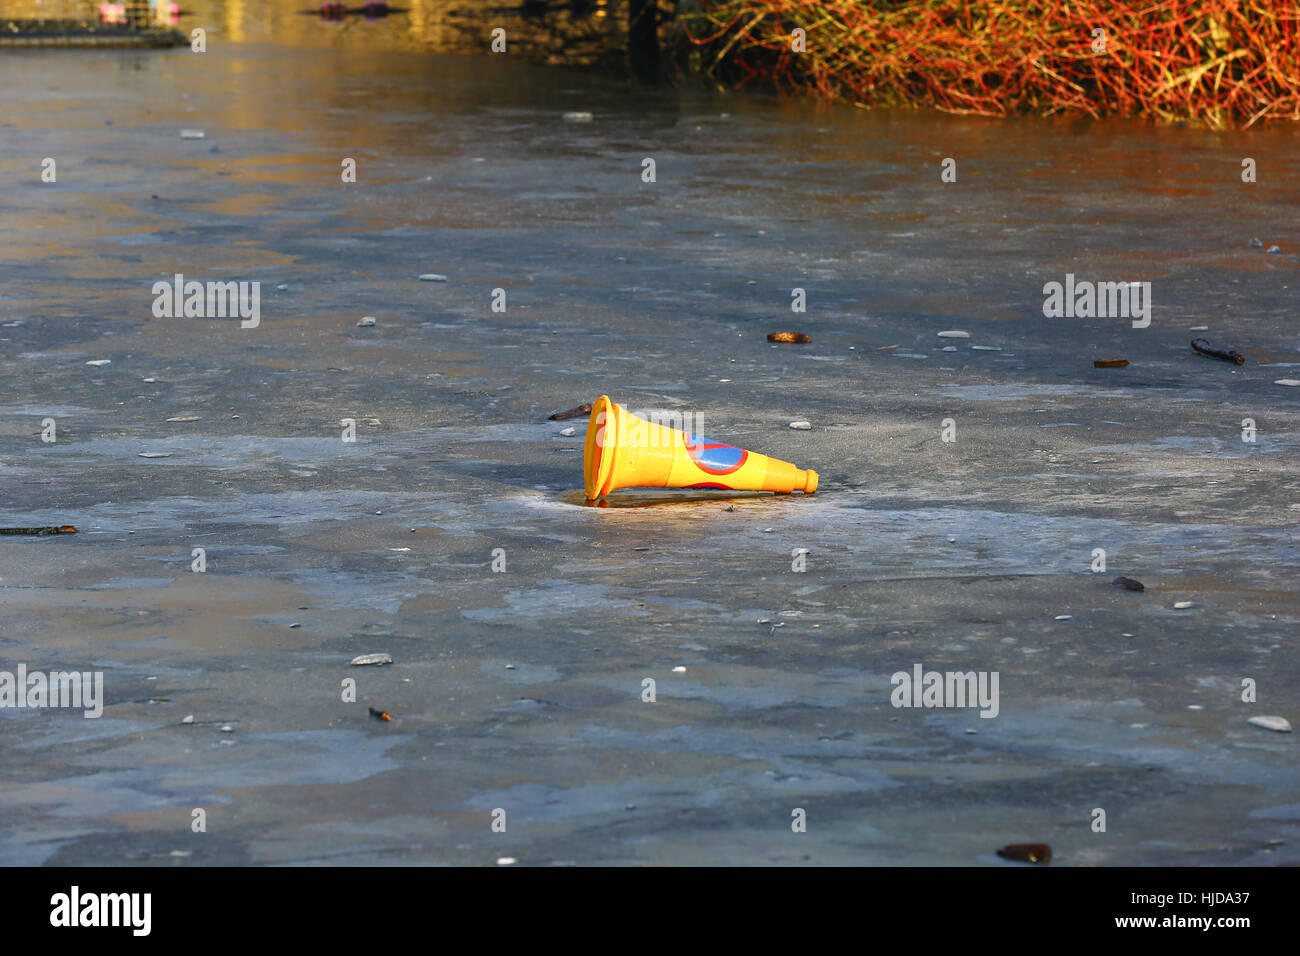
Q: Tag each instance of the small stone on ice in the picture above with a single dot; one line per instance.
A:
(1256, 244)
(295, 624)
(184, 418)
(155, 454)
(227, 729)
(188, 720)
(191, 134)
(954, 334)
(577, 116)
(366, 321)
(510, 667)
(1273, 249)
(505, 860)
(567, 432)
(432, 277)
(949, 348)
(1287, 381)
(281, 288)
(98, 362)
(679, 670)
(986, 348)
(1182, 605)
(801, 425)
(1280, 724)
(1065, 617)
(371, 659)
(768, 530)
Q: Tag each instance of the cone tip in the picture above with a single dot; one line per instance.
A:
(810, 485)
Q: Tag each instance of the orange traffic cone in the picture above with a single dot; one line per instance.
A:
(626, 451)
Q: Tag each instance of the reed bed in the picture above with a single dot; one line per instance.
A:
(1215, 62)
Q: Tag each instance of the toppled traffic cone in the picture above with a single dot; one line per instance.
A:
(626, 451)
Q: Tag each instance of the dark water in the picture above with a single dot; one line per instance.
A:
(971, 555)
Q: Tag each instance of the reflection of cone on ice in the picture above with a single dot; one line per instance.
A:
(626, 451)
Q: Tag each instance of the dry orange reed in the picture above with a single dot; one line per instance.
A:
(1217, 62)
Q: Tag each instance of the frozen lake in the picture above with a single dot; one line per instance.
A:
(522, 690)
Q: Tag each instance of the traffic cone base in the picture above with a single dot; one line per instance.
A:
(625, 451)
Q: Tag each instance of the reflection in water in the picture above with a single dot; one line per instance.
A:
(137, 13)
(575, 32)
